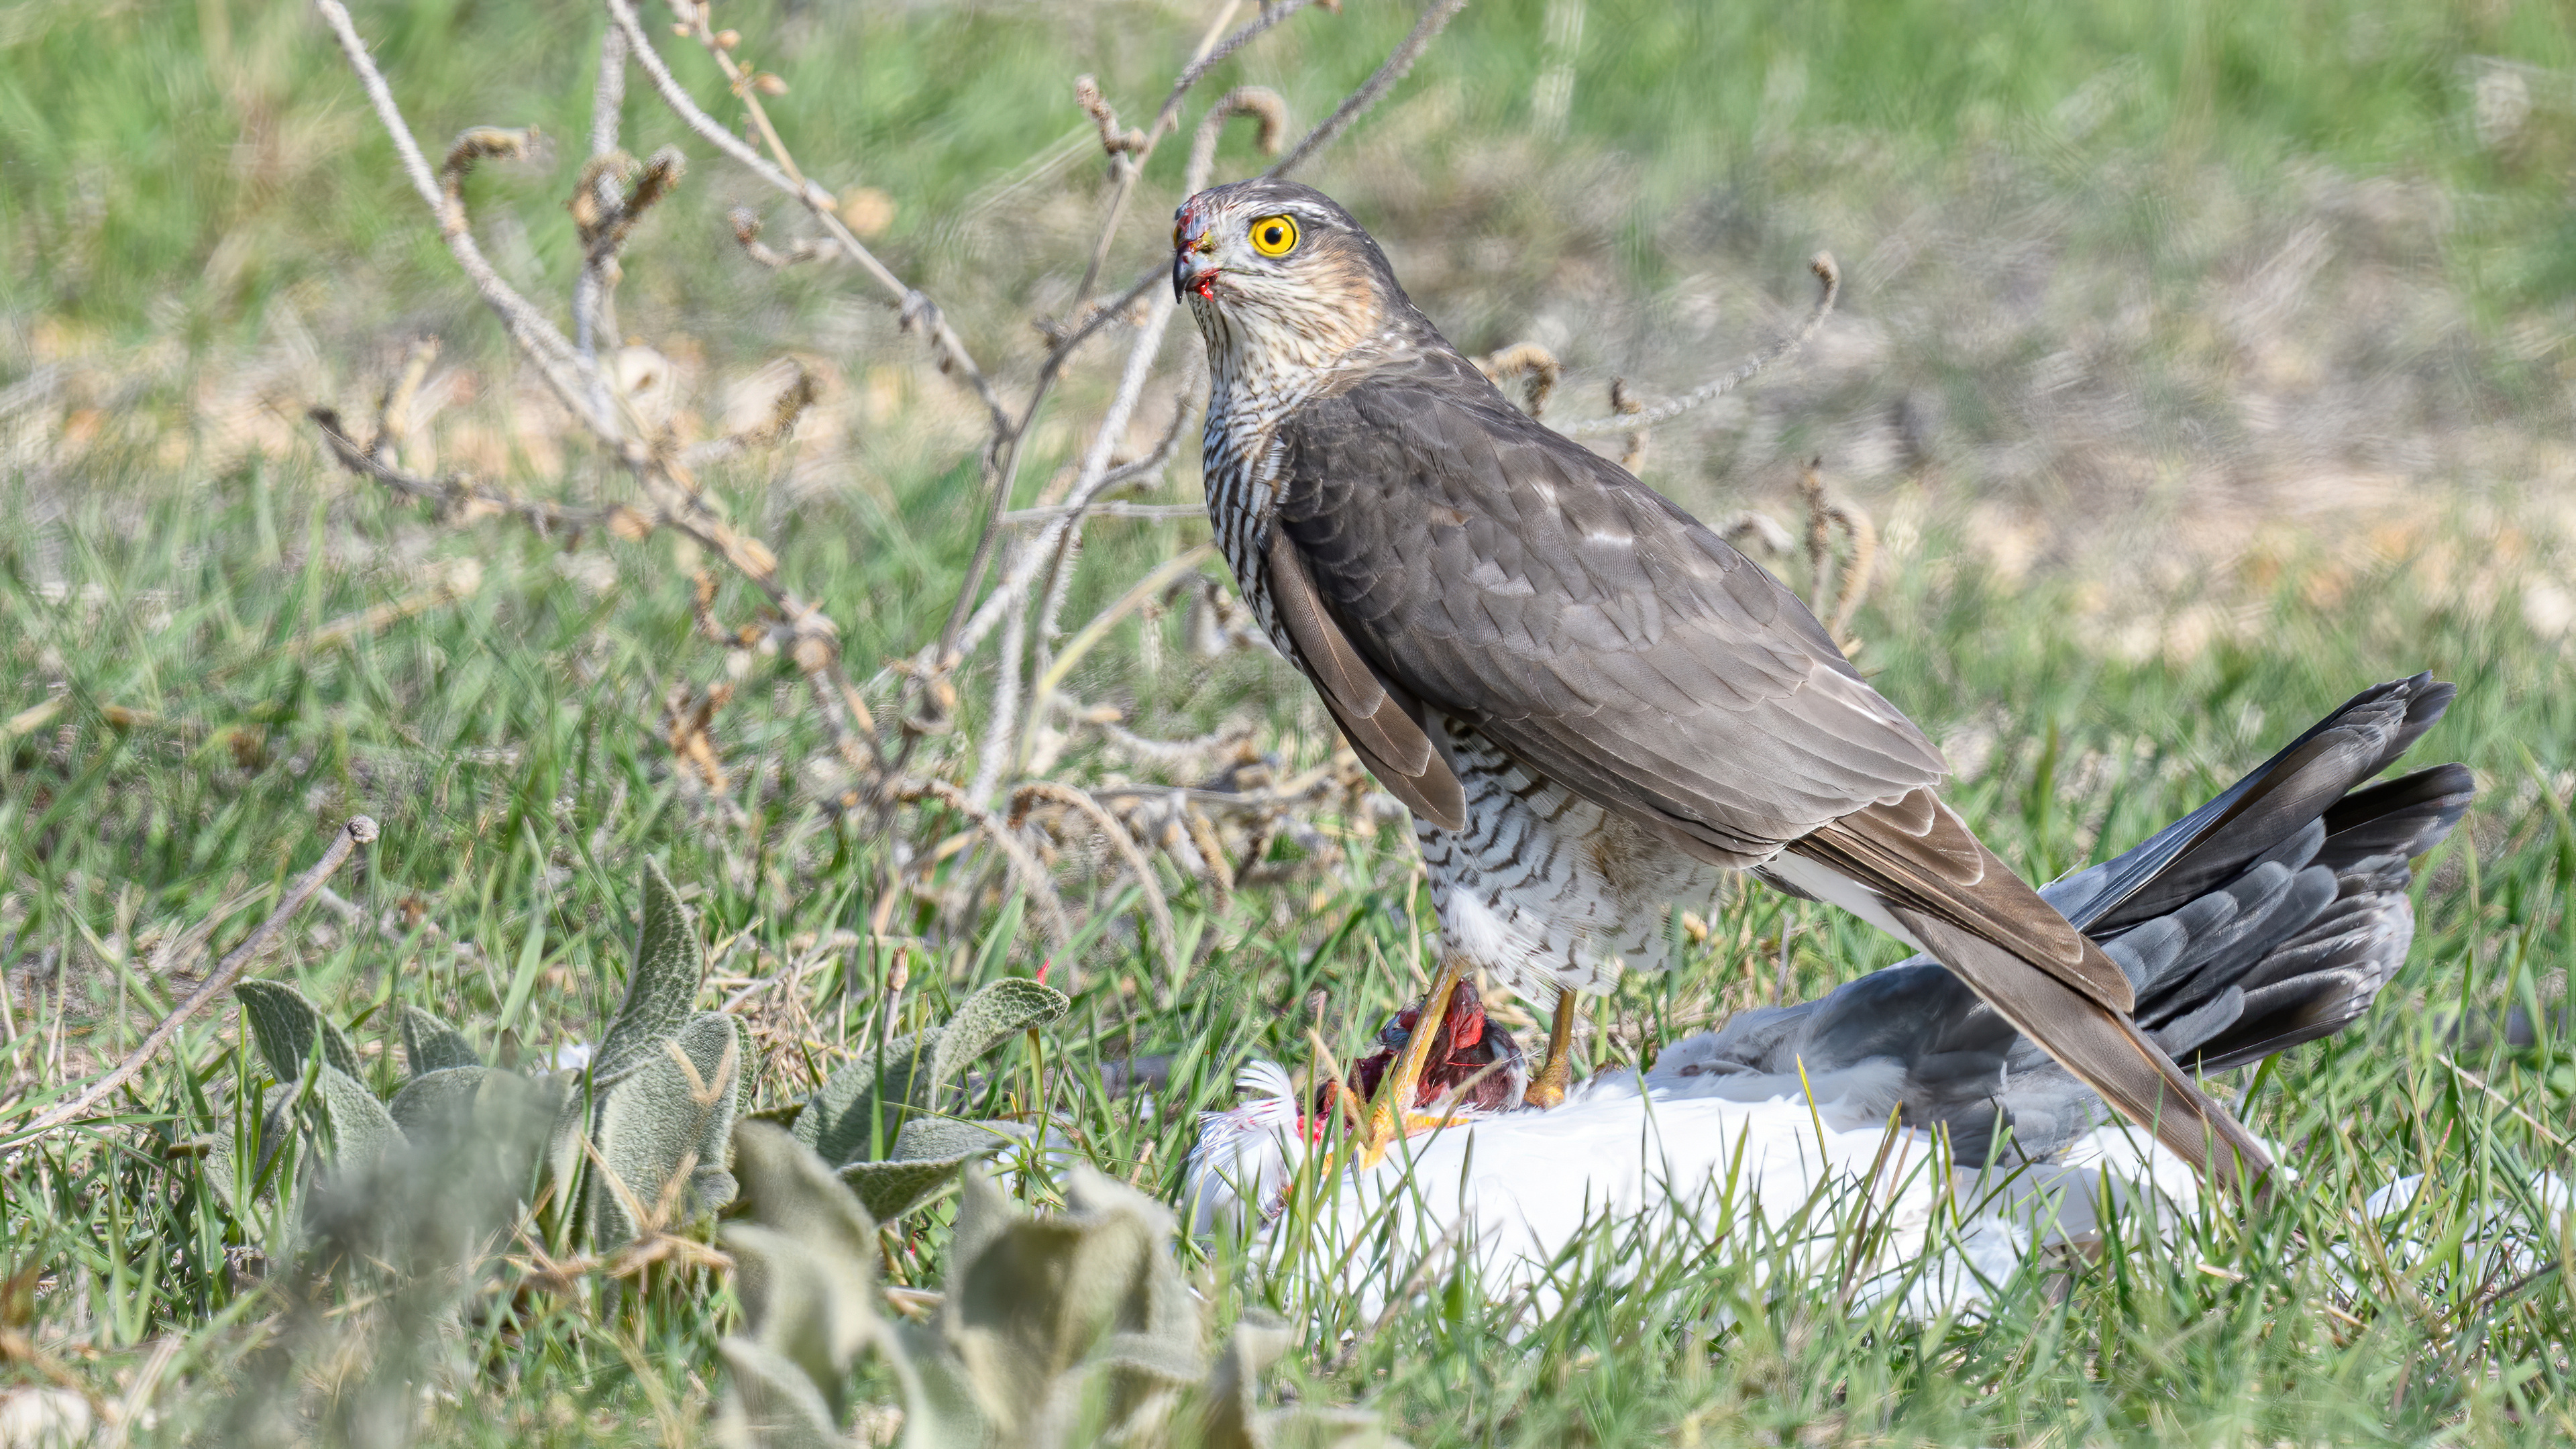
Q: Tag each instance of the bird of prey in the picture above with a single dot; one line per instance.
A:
(1590, 703)
(2270, 917)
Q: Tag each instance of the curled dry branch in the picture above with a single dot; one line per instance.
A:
(1157, 910)
(1025, 867)
(1531, 362)
(1824, 514)
(1829, 285)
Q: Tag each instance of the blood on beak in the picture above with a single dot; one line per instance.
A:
(1186, 276)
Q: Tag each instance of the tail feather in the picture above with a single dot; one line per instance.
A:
(2102, 1049)
(2289, 944)
(2362, 737)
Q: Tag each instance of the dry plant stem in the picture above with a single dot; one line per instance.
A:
(1857, 575)
(1157, 909)
(967, 625)
(527, 327)
(594, 305)
(1259, 102)
(917, 309)
(451, 492)
(1530, 361)
(1054, 548)
(1398, 62)
(1835, 606)
(1142, 512)
(962, 633)
(360, 830)
(1829, 279)
(1137, 147)
(816, 641)
(1025, 866)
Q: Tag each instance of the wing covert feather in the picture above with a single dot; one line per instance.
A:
(1379, 725)
(1532, 589)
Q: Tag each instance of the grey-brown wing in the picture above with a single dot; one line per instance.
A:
(1532, 589)
(1918, 857)
(1378, 721)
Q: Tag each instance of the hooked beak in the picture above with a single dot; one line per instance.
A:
(1187, 277)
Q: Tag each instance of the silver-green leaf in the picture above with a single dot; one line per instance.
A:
(770, 1404)
(361, 1129)
(656, 1120)
(891, 1188)
(993, 1015)
(285, 1025)
(660, 988)
(805, 1262)
(431, 1045)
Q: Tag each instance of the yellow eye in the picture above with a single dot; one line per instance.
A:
(1274, 236)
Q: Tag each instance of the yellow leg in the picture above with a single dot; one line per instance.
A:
(1548, 1087)
(1388, 1113)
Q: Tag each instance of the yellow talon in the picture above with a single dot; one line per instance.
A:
(1389, 1114)
(1547, 1089)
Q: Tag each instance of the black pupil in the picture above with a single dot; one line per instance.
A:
(1270, 236)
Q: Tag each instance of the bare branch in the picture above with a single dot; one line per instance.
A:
(1829, 280)
(1086, 94)
(916, 309)
(1259, 102)
(1157, 909)
(1143, 512)
(746, 230)
(1024, 866)
(360, 830)
(537, 337)
(1531, 362)
(594, 306)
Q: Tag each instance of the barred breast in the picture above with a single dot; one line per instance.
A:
(1545, 890)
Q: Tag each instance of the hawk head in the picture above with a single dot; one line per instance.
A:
(1282, 280)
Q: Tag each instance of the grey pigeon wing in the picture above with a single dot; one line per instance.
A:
(1534, 591)
(2309, 921)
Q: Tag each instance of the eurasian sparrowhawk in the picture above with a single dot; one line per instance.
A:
(1588, 700)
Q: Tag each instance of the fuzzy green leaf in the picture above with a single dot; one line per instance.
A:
(657, 1118)
(839, 1121)
(438, 1106)
(892, 1188)
(770, 1403)
(661, 986)
(285, 1024)
(431, 1045)
(993, 1015)
(1040, 1296)
(713, 1184)
(567, 1164)
(805, 1262)
(225, 1174)
(1232, 1415)
(361, 1129)
(928, 1137)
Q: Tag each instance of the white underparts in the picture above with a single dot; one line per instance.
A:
(1834, 888)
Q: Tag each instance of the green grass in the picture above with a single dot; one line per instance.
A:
(510, 746)
(184, 167)
(208, 175)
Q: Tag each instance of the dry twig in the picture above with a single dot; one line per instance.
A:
(1829, 280)
(360, 830)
